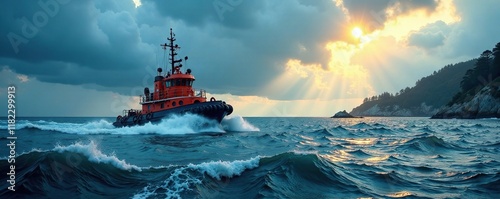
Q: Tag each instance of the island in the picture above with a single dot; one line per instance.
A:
(344, 114)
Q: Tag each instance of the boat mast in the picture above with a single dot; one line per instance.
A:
(172, 52)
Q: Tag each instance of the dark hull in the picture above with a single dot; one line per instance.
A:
(214, 110)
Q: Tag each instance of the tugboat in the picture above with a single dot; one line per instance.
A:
(173, 94)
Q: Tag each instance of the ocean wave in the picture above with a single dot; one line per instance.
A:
(427, 144)
(323, 131)
(380, 130)
(184, 124)
(321, 160)
(361, 125)
(182, 180)
(486, 183)
(271, 176)
(82, 170)
(69, 171)
(339, 129)
(426, 130)
(359, 153)
(93, 154)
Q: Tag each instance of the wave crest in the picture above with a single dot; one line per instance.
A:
(93, 154)
(237, 123)
(173, 125)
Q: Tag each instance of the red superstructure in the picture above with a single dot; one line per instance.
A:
(171, 91)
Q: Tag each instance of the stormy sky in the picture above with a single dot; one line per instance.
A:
(269, 58)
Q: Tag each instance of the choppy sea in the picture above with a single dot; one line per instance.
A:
(191, 157)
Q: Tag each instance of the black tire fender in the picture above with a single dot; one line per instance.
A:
(149, 116)
(124, 119)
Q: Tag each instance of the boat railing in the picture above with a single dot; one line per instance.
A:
(200, 93)
(173, 93)
(131, 112)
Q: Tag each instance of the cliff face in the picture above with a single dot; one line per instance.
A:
(422, 100)
(484, 104)
(474, 85)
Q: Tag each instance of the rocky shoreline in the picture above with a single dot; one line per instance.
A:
(396, 111)
(482, 105)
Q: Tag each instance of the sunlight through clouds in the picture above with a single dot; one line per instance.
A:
(261, 106)
(356, 63)
(270, 55)
(400, 26)
(137, 3)
(341, 79)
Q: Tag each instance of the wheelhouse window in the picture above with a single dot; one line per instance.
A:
(179, 82)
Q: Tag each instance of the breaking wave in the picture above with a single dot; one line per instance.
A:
(184, 124)
(237, 123)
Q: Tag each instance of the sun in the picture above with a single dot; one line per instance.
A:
(357, 32)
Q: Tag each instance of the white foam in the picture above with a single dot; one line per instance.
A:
(95, 155)
(218, 169)
(181, 179)
(237, 123)
(73, 128)
(185, 124)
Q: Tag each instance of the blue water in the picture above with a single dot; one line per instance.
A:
(191, 157)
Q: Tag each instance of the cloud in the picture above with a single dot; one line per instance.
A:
(430, 36)
(373, 14)
(75, 43)
(41, 99)
(276, 50)
(476, 31)
(109, 44)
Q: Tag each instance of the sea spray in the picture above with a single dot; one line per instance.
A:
(173, 125)
(237, 123)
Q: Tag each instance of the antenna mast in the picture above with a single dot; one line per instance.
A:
(172, 52)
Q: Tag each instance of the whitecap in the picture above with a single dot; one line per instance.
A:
(93, 154)
(237, 123)
(181, 179)
(173, 125)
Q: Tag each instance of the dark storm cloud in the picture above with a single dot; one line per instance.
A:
(234, 46)
(373, 13)
(249, 60)
(75, 32)
(233, 13)
(72, 42)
